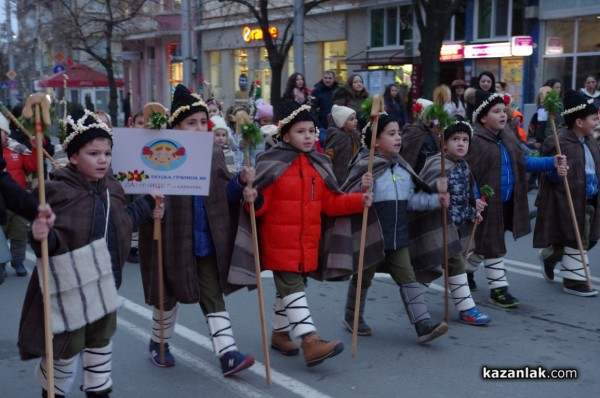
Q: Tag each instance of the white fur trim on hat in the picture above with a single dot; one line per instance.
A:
(269, 131)
(341, 114)
(4, 124)
(425, 103)
(218, 123)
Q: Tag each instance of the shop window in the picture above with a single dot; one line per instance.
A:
(587, 39)
(391, 26)
(334, 58)
(493, 18)
(560, 36)
(586, 65)
(175, 64)
(241, 73)
(215, 76)
(559, 68)
(456, 32)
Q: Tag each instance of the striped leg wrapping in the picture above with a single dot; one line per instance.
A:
(65, 371)
(97, 365)
(495, 272)
(572, 266)
(296, 309)
(280, 322)
(169, 320)
(460, 292)
(221, 333)
(413, 298)
(473, 262)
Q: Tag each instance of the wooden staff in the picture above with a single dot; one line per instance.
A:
(157, 235)
(257, 269)
(376, 108)
(444, 226)
(12, 117)
(588, 280)
(38, 101)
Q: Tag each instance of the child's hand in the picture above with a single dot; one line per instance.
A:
(368, 198)
(480, 205)
(560, 162)
(247, 175)
(442, 184)
(478, 218)
(444, 199)
(159, 210)
(42, 223)
(250, 195)
(366, 181)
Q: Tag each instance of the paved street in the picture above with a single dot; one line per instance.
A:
(550, 329)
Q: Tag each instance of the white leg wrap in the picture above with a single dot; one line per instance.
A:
(413, 298)
(461, 294)
(495, 272)
(221, 333)
(97, 365)
(572, 266)
(169, 320)
(473, 261)
(65, 371)
(280, 322)
(296, 309)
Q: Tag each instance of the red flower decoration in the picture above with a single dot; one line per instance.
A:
(201, 79)
(507, 99)
(417, 108)
(210, 125)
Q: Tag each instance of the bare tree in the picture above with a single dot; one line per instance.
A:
(433, 19)
(94, 27)
(277, 49)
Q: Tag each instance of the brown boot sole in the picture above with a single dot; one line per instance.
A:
(289, 353)
(336, 350)
(437, 332)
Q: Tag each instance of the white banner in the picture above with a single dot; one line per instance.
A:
(172, 162)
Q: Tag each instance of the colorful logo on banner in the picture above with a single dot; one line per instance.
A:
(164, 155)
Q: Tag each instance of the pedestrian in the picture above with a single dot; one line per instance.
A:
(352, 95)
(137, 120)
(395, 104)
(463, 211)
(197, 239)
(296, 89)
(292, 176)
(397, 189)
(486, 81)
(20, 161)
(264, 113)
(419, 140)
(92, 234)
(126, 107)
(343, 141)
(323, 93)
(223, 139)
(214, 108)
(496, 159)
(554, 227)
(457, 105)
(590, 89)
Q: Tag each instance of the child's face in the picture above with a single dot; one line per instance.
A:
(213, 110)
(220, 137)
(263, 121)
(583, 126)
(301, 136)
(495, 120)
(195, 122)
(389, 141)
(457, 145)
(4, 138)
(351, 124)
(138, 122)
(93, 159)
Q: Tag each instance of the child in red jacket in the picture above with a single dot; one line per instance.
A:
(295, 185)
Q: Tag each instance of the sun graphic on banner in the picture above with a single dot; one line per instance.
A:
(164, 155)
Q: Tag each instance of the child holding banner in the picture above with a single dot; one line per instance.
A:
(197, 241)
(88, 246)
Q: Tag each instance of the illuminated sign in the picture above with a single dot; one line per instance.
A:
(256, 34)
(452, 52)
(519, 46)
(554, 45)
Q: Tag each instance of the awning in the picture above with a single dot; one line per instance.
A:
(80, 75)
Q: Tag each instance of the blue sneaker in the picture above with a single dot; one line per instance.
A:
(234, 361)
(168, 359)
(19, 267)
(474, 317)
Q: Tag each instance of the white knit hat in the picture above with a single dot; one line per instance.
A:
(340, 114)
(4, 124)
(218, 123)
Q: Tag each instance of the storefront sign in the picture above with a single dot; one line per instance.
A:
(522, 46)
(452, 52)
(554, 45)
(257, 34)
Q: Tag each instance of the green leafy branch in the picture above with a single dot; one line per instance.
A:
(437, 114)
(552, 103)
(157, 120)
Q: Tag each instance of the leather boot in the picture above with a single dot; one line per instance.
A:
(316, 350)
(282, 342)
(280, 338)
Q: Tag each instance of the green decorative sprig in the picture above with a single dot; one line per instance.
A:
(157, 120)
(486, 192)
(365, 108)
(552, 103)
(437, 114)
(251, 134)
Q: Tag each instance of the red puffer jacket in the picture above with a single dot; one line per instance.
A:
(290, 223)
(18, 165)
